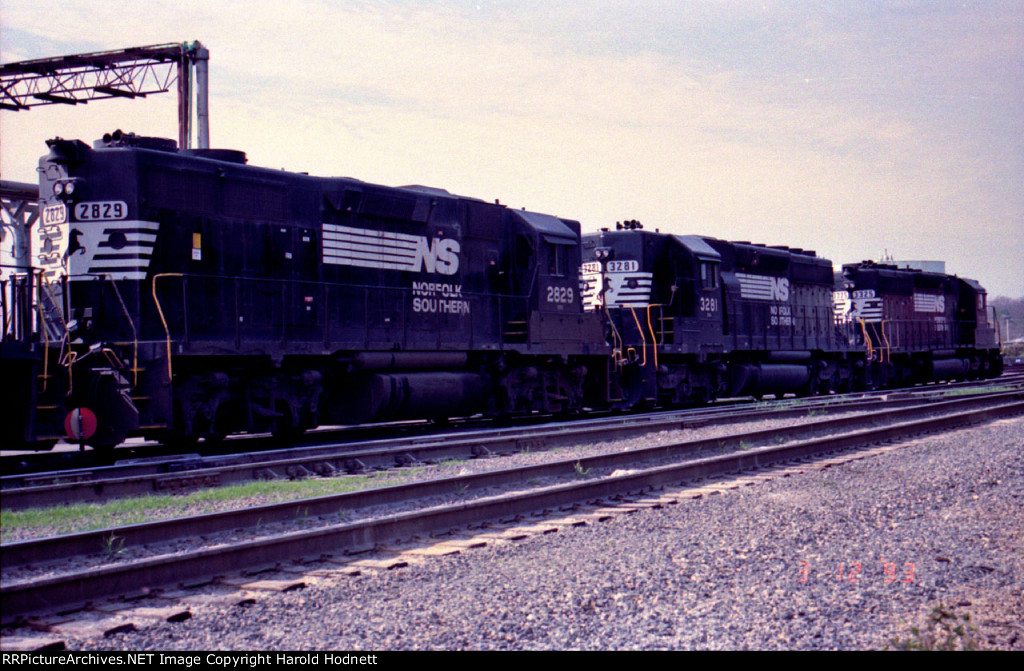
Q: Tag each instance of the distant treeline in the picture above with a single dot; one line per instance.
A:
(1014, 309)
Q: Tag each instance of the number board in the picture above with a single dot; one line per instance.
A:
(55, 214)
(101, 210)
(623, 266)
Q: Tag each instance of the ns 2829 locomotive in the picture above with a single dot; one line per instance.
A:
(182, 294)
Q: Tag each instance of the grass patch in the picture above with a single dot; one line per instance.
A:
(978, 390)
(88, 516)
(945, 630)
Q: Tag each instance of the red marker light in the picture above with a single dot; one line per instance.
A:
(81, 424)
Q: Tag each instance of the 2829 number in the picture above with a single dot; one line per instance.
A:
(560, 295)
(106, 210)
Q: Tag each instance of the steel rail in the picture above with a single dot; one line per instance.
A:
(39, 550)
(78, 466)
(79, 588)
(302, 462)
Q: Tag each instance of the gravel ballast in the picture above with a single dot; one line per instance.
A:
(792, 563)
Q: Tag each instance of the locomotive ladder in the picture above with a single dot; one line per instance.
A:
(50, 331)
(517, 331)
(667, 325)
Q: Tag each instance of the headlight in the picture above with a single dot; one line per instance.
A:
(58, 188)
(69, 189)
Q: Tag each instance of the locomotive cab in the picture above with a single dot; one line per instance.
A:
(673, 282)
(546, 253)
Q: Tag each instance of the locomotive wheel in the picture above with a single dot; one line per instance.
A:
(103, 446)
(288, 434)
(180, 442)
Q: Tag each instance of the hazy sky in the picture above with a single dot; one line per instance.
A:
(851, 128)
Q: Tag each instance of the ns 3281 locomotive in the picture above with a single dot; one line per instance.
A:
(182, 294)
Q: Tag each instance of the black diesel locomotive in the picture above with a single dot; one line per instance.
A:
(182, 294)
(711, 318)
(916, 326)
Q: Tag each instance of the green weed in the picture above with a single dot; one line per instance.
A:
(113, 546)
(945, 630)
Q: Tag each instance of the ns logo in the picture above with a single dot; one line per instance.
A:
(439, 255)
(763, 287)
(388, 250)
(780, 288)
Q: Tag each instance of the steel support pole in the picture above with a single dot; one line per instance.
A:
(201, 56)
(21, 204)
(184, 99)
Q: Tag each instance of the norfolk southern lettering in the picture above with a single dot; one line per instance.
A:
(439, 297)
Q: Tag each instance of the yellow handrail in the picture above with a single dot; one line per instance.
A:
(65, 340)
(654, 337)
(46, 347)
(617, 343)
(867, 338)
(163, 320)
(643, 338)
(887, 356)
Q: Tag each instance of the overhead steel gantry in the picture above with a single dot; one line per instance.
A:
(81, 78)
(125, 73)
(19, 209)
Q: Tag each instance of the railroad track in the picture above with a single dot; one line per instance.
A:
(162, 476)
(37, 468)
(579, 486)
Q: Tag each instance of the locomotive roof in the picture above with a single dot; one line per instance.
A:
(130, 141)
(552, 228)
(741, 253)
(770, 259)
(973, 284)
(893, 279)
(696, 246)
